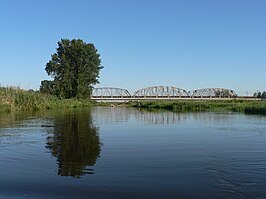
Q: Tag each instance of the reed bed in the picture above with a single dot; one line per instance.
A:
(14, 98)
(246, 106)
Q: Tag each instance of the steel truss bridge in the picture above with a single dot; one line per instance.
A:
(161, 92)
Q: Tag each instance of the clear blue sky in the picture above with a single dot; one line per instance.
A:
(185, 43)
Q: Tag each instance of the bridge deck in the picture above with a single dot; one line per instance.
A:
(167, 98)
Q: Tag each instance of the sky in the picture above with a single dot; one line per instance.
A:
(189, 44)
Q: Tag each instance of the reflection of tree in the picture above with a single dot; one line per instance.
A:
(75, 142)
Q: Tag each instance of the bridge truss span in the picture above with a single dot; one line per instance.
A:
(109, 92)
(160, 92)
(213, 92)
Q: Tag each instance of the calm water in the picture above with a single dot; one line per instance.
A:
(127, 153)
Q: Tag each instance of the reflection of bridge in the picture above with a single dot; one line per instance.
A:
(108, 115)
(160, 92)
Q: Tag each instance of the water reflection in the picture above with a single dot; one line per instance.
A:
(216, 155)
(155, 117)
(9, 119)
(74, 141)
(106, 115)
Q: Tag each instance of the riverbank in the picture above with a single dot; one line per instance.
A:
(16, 99)
(246, 106)
(235, 105)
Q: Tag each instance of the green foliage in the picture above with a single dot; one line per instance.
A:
(48, 87)
(256, 109)
(14, 98)
(75, 68)
(247, 106)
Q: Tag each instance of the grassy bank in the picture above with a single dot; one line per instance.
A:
(12, 99)
(246, 106)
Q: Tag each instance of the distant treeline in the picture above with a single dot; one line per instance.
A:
(260, 94)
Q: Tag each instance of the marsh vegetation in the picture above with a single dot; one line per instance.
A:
(246, 106)
(14, 98)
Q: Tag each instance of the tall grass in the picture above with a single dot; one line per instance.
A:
(256, 109)
(14, 98)
(247, 106)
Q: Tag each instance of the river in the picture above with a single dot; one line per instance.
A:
(129, 153)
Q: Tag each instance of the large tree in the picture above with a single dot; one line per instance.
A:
(75, 68)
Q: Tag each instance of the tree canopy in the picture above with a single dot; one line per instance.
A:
(74, 68)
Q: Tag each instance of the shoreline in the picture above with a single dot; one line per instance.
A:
(235, 105)
(16, 99)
